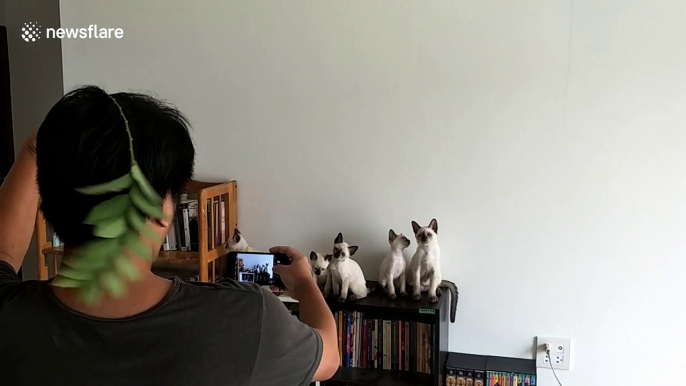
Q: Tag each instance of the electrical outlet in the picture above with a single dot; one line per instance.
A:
(560, 352)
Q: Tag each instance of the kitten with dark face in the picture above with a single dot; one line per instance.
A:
(238, 243)
(392, 270)
(425, 267)
(345, 275)
(319, 264)
(424, 271)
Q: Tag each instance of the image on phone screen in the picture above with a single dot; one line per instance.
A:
(255, 268)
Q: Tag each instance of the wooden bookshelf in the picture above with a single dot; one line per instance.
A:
(204, 261)
(378, 305)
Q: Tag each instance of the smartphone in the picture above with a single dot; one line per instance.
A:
(257, 267)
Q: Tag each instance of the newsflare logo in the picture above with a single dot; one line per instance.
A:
(32, 32)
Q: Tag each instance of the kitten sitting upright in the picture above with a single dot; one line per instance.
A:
(344, 273)
(319, 262)
(424, 272)
(392, 271)
(238, 243)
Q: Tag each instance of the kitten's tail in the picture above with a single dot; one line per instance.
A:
(372, 286)
(454, 296)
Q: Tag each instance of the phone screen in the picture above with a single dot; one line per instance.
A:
(258, 268)
(255, 268)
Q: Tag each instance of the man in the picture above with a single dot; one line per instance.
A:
(162, 332)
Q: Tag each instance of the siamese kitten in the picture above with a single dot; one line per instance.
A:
(319, 263)
(425, 267)
(238, 243)
(345, 275)
(392, 271)
(424, 271)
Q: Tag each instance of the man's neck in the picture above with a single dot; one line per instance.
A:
(140, 296)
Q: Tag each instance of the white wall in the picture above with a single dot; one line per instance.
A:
(358, 116)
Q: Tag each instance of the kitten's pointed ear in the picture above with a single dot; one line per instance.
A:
(313, 255)
(434, 225)
(328, 257)
(339, 238)
(391, 235)
(236, 235)
(352, 249)
(415, 227)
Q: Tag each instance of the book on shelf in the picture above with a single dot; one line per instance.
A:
(178, 232)
(348, 363)
(340, 336)
(394, 345)
(386, 345)
(222, 220)
(193, 225)
(186, 230)
(209, 224)
(370, 343)
(56, 242)
(215, 217)
(406, 346)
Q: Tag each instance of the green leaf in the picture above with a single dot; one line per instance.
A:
(141, 202)
(137, 222)
(95, 255)
(117, 185)
(114, 207)
(111, 229)
(90, 294)
(145, 186)
(112, 284)
(65, 282)
(134, 244)
(75, 274)
(125, 268)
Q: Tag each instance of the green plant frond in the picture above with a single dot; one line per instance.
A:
(100, 266)
(125, 268)
(133, 243)
(121, 183)
(145, 186)
(141, 202)
(65, 282)
(138, 224)
(91, 293)
(75, 274)
(112, 284)
(111, 228)
(113, 208)
(94, 255)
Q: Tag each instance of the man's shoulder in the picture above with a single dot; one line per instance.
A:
(226, 286)
(225, 292)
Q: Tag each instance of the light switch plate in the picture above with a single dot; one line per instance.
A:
(560, 352)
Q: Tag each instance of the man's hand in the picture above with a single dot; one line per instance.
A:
(297, 276)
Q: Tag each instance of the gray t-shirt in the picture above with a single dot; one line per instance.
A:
(199, 334)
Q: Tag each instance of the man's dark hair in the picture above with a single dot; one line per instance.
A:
(83, 142)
